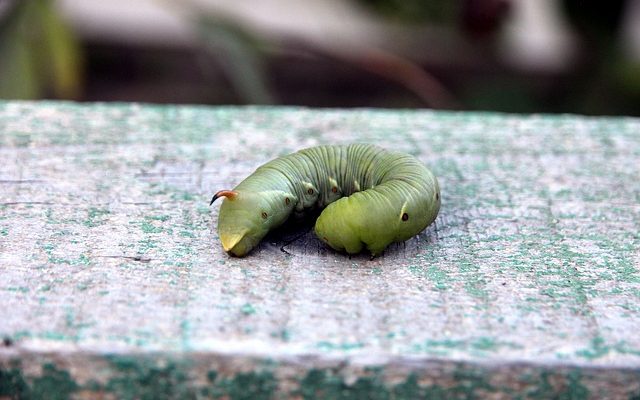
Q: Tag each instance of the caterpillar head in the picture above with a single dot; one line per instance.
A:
(245, 217)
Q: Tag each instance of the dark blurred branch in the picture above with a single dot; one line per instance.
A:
(404, 72)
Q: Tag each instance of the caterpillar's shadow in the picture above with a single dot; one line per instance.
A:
(296, 238)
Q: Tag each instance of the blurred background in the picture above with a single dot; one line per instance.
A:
(502, 55)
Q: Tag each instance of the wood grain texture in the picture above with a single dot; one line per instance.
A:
(528, 282)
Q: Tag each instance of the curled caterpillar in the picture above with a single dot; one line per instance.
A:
(371, 197)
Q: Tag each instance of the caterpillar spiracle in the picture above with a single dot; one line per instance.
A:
(371, 197)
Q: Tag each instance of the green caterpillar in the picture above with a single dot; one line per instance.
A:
(373, 197)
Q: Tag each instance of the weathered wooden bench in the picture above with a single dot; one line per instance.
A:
(113, 283)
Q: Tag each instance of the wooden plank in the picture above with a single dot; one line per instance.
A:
(112, 276)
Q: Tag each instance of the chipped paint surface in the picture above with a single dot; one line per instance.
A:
(107, 245)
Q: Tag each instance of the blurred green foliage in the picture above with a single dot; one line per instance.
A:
(40, 55)
(240, 55)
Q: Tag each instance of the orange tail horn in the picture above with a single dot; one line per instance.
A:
(230, 194)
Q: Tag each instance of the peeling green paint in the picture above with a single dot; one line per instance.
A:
(145, 245)
(161, 218)
(346, 346)
(184, 196)
(20, 289)
(480, 346)
(600, 348)
(248, 309)
(148, 227)
(95, 217)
